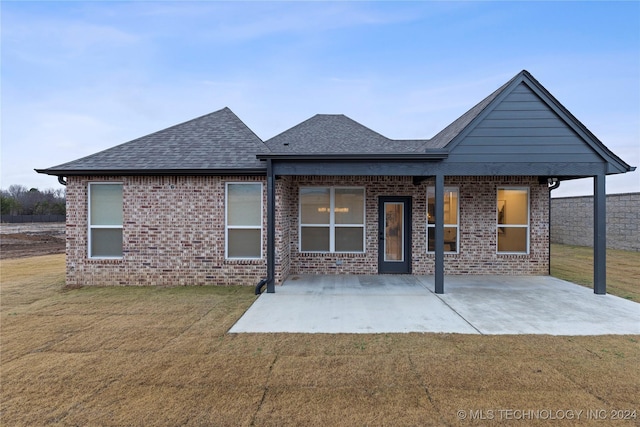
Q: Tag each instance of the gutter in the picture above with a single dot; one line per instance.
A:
(152, 172)
(432, 155)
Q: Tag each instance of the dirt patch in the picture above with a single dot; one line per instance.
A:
(27, 240)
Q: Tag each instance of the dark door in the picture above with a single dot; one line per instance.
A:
(394, 236)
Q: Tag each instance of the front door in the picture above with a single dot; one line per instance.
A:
(394, 237)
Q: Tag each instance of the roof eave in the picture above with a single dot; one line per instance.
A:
(432, 155)
(152, 172)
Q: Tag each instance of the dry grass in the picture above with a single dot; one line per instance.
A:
(149, 356)
(575, 264)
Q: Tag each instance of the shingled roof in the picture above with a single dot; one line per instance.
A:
(220, 143)
(215, 142)
(336, 134)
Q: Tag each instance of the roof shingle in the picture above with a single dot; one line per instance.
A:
(219, 140)
(336, 134)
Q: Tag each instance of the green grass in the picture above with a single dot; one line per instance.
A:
(575, 264)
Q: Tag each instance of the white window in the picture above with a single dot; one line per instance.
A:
(512, 212)
(451, 215)
(243, 231)
(332, 219)
(105, 220)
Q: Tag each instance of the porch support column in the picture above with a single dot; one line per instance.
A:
(599, 235)
(271, 229)
(439, 235)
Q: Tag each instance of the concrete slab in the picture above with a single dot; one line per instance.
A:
(537, 305)
(471, 305)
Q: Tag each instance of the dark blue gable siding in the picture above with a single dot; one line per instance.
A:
(522, 129)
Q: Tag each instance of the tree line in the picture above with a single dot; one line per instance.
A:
(20, 200)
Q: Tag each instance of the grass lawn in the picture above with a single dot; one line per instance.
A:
(161, 356)
(575, 264)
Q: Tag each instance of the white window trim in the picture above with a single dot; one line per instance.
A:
(527, 225)
(332, 225)
(101, 227)
(228, 227)
(456, 226)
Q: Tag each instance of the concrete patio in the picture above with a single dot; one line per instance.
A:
(470, 305)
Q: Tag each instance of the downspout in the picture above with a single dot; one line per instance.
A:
(61, 180)
(260, 285)
(553, 183)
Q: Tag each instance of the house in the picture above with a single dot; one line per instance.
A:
(208, 202)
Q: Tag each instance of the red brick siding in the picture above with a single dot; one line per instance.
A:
(478, 237)
(174, 231)
(285, 221)
(173, 234)
(477, 227)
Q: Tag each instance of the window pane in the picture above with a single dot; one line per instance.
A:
(513, 205)
(106, 204)
(450, 206)
(431, 206)
(106, 242)
(349, 239)
(243, 243)
(512, 239)
(244, 203)
(314, 205)
(349, 206)
(394, 231)
(314, 239)
(450, 239)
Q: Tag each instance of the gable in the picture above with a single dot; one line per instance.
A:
(522, 128)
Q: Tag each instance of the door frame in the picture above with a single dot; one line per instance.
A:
(395, 267)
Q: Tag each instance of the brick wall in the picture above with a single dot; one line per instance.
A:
(477, 227)
(174, 231)
(173, 234)
(572, 221)
(284, 223)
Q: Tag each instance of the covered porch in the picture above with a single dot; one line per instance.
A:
(518, 132)
(491, 305)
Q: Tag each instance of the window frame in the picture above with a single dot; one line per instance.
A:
(228, 227)
(332, 226)
(457, 224)
(91, 227)
(527, 227)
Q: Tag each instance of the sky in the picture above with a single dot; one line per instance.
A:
(80, 77)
